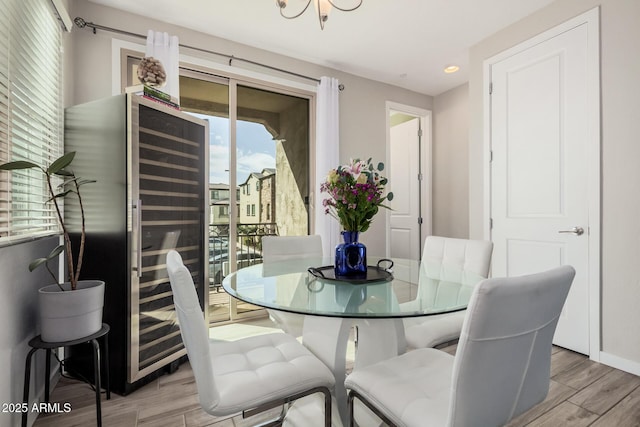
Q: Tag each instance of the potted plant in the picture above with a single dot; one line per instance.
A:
(73, 309)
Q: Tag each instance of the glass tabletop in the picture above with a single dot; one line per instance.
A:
(414, 289)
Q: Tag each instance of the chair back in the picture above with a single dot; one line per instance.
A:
(282, 248)
(503, 361)
(278, 249)
(454, 267)
(194, 332)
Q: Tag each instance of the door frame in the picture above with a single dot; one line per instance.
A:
(591, 20)
(223, 73)
(426, 165)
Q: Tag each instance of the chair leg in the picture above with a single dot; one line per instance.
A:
(27, 380)
(47, 376)
(105, 356)
(327, 407)
(96, 379)
(350, 401)
(350, 398)
(286, 400)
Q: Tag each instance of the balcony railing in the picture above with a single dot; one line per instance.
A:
(248, 248)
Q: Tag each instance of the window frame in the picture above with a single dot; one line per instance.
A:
(31, 116)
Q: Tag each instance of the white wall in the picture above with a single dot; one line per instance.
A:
(450, 163)
(18, 317)
(620, 89)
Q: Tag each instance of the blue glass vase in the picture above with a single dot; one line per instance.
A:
(351, 256)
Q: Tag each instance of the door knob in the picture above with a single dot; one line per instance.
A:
(578, 231)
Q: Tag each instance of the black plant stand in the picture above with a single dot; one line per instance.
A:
(37, 344)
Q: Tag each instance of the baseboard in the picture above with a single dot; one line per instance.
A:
(620, 363)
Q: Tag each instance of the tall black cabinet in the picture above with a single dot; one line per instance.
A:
(150, 196)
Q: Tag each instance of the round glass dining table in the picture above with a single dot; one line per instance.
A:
(373, 306)
(394, 288)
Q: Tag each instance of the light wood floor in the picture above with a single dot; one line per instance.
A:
(582, 393)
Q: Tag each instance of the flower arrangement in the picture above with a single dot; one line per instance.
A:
(356, 192)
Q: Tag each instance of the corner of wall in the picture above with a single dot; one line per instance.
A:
(18, 315)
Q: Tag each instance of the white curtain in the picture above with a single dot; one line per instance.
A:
(327, 143)
(165, 48)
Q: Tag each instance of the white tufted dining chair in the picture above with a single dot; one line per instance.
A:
(456, 265)
(249, 375)
(500, 370)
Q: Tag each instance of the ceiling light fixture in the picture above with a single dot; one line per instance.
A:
(323, 7)
(451, 69)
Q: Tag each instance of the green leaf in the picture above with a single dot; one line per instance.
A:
(63, 194)
(380, 166)
(18, 165)
(40, 261)
(390, 196)
(71, 179)
(85, 181)
(60, 195)
(64, 173)
(37, 263)
(55, 252)
(61, 163)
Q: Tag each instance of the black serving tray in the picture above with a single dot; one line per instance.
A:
(374, 274)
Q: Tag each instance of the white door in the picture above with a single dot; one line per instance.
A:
(404, 235)
(539, 173)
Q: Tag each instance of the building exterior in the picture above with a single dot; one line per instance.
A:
(257, 198)
(268, 196)
(219, 212)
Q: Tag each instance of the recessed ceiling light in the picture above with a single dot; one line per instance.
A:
(451, 69)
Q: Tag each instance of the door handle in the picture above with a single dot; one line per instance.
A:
(138, 229)
(578, 231)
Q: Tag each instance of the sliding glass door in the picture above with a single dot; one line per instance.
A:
(259, 175)
(258, 179)
(271, 169)
(209, 99)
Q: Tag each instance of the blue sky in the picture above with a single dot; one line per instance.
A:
(255, 149)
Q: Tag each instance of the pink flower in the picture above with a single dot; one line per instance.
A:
(355, 192)
(354, 168)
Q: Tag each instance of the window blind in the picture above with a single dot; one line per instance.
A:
(31, 114)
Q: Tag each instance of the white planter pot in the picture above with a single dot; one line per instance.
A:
(69, 315)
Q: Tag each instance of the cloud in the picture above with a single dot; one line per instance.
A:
(248, 162)
(254, 162)
(218, 164)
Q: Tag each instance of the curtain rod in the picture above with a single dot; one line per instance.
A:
(81, 23)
